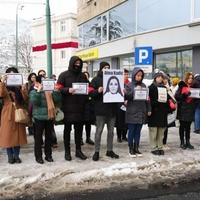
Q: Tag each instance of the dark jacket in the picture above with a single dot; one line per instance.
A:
(159, 110)
(136, 112)
(101, 109)
(39, 103)
(89, 114)
(196, 84)
(186, 106)
(73, 106)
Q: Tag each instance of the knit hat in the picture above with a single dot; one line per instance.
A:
(103, 64)
(158, 74)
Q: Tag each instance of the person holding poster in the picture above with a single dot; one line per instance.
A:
(44, 103)
(137, 110)
(12, 134)
(157, 122)
(196, 84)
(73, 105)
(105, 114)
(186, 110)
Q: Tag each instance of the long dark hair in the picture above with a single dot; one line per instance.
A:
(118, 89)
(15, 89)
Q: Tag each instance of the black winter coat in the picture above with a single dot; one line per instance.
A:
(186, 107)
(159, 111)
(73, 106)
(101, 109)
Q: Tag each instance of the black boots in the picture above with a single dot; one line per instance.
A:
(96, 156)
(68, 156)
(138, 153)
(112, 154)
(39, 160)
(79, 154)
(132, 153)
(14, 159)
(188, 145)
(89, 141)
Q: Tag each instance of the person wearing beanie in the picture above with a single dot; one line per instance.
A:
(105, 114)
(186, 110)
(137, 111)
(157, 122)
(73, 105)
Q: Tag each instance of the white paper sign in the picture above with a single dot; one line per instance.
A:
(48, 84)
(141, 94)
(162, 95)
(113, 86)
(171, 118)
(123, 108)
(195, 92)
(14, 79)
(80, 88)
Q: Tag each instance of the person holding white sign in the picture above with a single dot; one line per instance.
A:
(158, 120)
(196, 85)
(105, 114)
(44, 113)
(12, 134)
(138, 110)
(186, 110)
(73, 105)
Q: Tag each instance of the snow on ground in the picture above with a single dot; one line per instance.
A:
(61, 176)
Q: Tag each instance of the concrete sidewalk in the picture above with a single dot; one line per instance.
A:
(61, 176)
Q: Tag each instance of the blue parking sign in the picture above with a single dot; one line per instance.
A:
(143, 56)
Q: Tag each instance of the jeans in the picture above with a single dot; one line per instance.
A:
(100, 122)
(197, 119)
(13, 151)
(134, 133)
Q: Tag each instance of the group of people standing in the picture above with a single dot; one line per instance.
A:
(87, 110)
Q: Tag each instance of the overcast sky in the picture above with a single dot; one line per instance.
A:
(32, 11)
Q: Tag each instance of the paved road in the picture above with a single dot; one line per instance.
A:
(183, 191)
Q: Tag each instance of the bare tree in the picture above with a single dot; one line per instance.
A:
(24, 51)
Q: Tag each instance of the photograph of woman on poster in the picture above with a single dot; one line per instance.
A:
(113, 92)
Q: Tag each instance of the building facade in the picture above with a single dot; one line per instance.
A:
(64, 42)
(110, 30)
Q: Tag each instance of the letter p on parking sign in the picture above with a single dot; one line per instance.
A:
(143, 56)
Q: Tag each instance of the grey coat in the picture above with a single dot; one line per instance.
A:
(136, 112)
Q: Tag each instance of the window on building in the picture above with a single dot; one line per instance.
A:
(63, 54)
(122, 20)
(175, 63)
(197, 9)
(153, 14)
(63, 26)
(92, 32)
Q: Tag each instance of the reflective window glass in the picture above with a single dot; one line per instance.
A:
(154, 14)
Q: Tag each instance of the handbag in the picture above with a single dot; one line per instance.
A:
(21, 115)
(59, 115)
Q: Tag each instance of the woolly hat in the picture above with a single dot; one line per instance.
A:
(103, 64)
(158, 74)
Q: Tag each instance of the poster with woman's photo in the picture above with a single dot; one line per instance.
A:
(113, 86)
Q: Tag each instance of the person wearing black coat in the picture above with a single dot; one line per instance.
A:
(73, 105)
(105, 114)
(157, 122)
(196, 84)
(186, 110)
